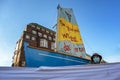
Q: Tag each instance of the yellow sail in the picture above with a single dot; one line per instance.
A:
(69, 40)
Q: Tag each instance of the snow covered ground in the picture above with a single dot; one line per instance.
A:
(107, 71)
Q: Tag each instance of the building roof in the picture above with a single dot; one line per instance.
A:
(36, 24)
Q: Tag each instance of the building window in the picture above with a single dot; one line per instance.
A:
(43, 29)
(39, 34)
(47, 31)
(50, 38)
(16, 48)
(38, 27)
(23, 63)
(14, 58)
(53, 39)
(52, 45)
(25, 29)
(34, 32)
(33, 38)
(45, 36)
(32, 25)
(51, 33)
(44, 43)
(27, 36)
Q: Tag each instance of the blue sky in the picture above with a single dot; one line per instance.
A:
(98, 20)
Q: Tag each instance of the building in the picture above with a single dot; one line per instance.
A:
(38, 37)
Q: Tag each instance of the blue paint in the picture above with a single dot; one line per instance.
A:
(36, 58)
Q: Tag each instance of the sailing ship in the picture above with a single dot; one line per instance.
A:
(67, 49)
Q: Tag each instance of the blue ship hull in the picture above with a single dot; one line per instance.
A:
(36, 58)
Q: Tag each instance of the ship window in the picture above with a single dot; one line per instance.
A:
(45, 36)
(44, 43)
(34, 32)
(39, 34)
(27, 36)
(33, 38)
(50, 38)
(52, 45)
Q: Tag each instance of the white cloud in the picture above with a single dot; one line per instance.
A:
(112, 59)
(5, 59)
(6, 53)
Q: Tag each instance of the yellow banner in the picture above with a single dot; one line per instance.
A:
(68, 31)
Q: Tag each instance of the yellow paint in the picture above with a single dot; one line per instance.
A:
(68, 31)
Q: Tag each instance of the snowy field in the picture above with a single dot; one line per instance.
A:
(109, 71)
